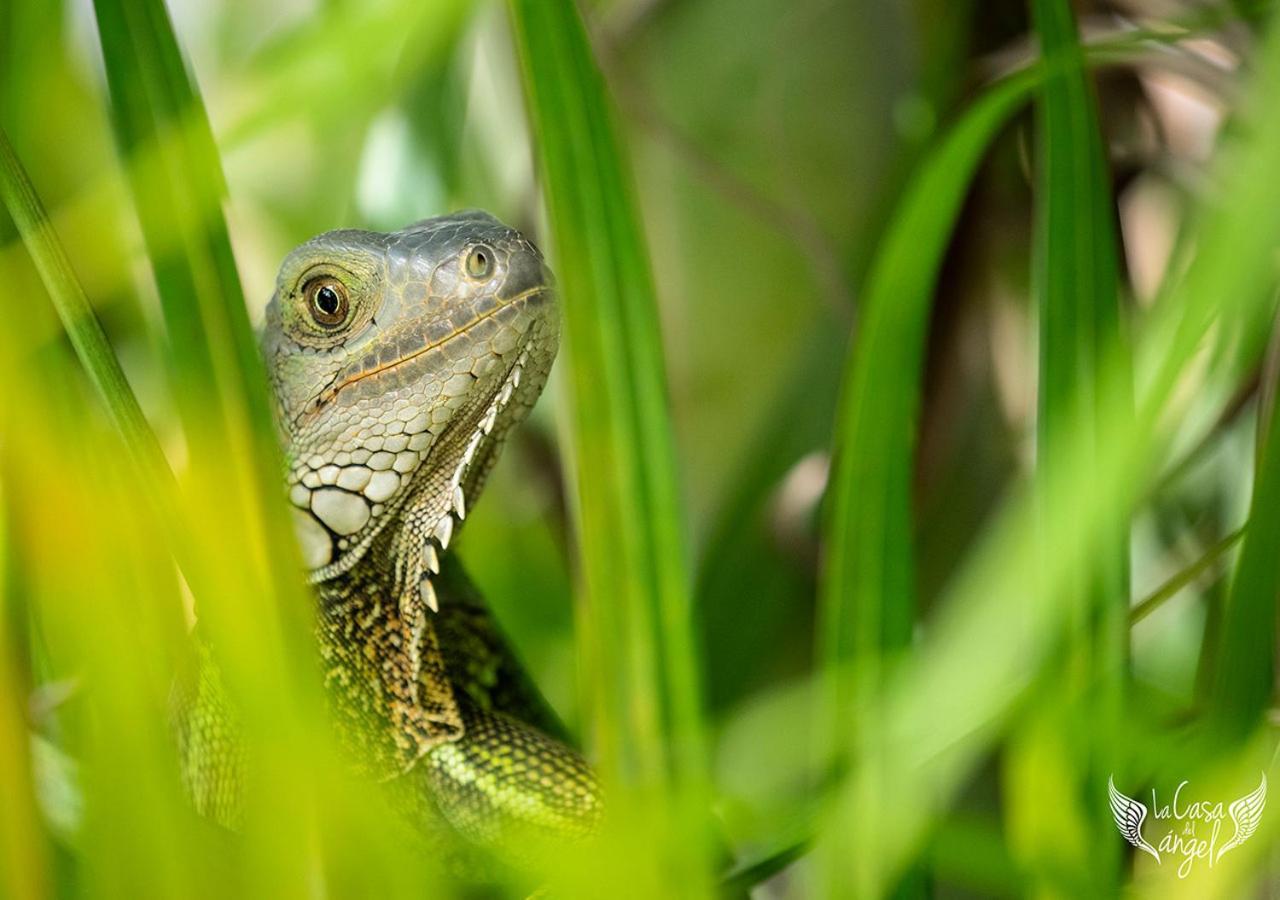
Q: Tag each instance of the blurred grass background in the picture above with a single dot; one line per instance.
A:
(795, 239)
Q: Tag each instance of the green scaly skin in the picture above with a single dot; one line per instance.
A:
(399, 362)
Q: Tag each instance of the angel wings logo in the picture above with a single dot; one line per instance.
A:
(1194, 829)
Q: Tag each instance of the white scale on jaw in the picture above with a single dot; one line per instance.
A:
(443, 531)
(340, 497)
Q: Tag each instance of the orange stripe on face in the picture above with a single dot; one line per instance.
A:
(333, 391)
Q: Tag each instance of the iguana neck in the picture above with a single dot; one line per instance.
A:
(389, 693)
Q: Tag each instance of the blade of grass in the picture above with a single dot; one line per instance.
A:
(867, 607)
(90, 342)
(1180, 580)
(259, 616)
(941, 711)
(636, 611)
(1069, 738)
(1241, 670)
(1076, 272)
(1244, 685)
(156, 110)
(218, 376)
(752, 874)
(136, 826)
(78, 318)
(24, 856)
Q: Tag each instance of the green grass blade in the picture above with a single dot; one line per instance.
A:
(217, 374)
(78, 318)
(942, 712)
(1076, 272)
(1243, 686)
(867, 604)
(256, 609)
(24, 856)
(90, 342)
(1185, 577)
(177, 185)
(1076, 286)
(636, 608)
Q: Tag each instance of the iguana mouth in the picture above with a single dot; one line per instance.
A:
(462, 438)
(328, 395)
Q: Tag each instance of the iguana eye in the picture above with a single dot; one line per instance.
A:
(327, 301)
(480, 262)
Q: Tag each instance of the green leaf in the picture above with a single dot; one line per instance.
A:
(1243, 686)
(940, 713)
(1076, 275)
(637, 634)
(177, 185)
(867, 592)
(1076, 286)
(216, 373)
(254, 607)
(27, 871)
(1184, 577)
(88, 338)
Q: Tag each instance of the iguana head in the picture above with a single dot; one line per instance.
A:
(398, 362)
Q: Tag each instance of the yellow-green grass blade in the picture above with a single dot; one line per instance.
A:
(635, 609)
(254, 606)
(151, 469)
(102, 609)
(126, 632)
(110, 614)
(867, 607)
(24, 853)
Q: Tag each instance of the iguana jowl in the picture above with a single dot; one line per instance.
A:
(399, 362)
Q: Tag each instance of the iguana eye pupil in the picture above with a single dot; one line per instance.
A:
(480, 262)
(327, 299)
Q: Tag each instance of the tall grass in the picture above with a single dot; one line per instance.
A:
(868, 611)
(1015, 686)
(1072, 741)
(950, 702)
(218, 384)
(635, 610)
(87, 337)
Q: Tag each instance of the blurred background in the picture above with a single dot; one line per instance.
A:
(770, 141)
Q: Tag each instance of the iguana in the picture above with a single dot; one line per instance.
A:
(399, 362)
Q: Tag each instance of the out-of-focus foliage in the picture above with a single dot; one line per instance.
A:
(865, 228)
(636, 625)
